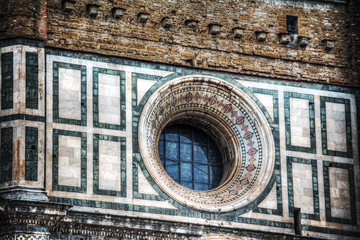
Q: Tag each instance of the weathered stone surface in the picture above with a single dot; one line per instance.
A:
(126, 38)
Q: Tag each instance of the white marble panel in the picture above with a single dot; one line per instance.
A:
(335, 126)
(109, 99)
(339, 193)
(303, 187)
(267, 101)
(70, 93)
(109, 165)
(142, 87)
(69, 161)
(270, 201)
(144, 185)
(299, 122)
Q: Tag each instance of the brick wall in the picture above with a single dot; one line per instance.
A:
(167, 36)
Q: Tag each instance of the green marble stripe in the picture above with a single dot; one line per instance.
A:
(31, 154)
(22, 117)
(6, 154)
(340, 232)
(113, 205)
(7, 80)
(21, 41)
(32, 81)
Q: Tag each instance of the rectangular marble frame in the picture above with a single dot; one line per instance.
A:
(325, 150)
(313, 163)
(97, 123)
(55, 168)
(56, 118)
(310, 98)
(20, 80)
(350, 168)
(96, 188)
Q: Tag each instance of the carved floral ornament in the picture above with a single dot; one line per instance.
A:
(233, 120)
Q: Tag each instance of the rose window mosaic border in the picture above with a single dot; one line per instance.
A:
(206, 96)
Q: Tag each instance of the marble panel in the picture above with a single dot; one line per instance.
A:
(109, 165)
(109, 99)
(69, 161)
(267, 101)
(339, 193)
(299, 122)
(336, 126)
(303, 187)
(70, 93)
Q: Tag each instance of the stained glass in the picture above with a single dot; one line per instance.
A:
(191, 157)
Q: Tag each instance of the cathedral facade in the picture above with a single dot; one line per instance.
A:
(136, 119)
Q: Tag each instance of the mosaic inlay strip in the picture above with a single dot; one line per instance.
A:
(310, 98)
(31, 154)
(32, 81)
(7, 80)
(325, 150)
(122, 141)
(121, 74)
(313, 163)
(350, 168)
(57, 119)
(55, 172)
(204, 98)
(6, 154)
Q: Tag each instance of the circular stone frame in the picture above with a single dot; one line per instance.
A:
(230, 116)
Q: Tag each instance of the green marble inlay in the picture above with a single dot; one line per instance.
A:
(21, 41)
(121, 74)
(31, 154)
(325, 150)
(315, 186)
(7, 80)
(57, 119)
(6, 154)
(32, 81)
(55, 170)
(310, 98)
(22, 117)
(351, 180)
(97, 190)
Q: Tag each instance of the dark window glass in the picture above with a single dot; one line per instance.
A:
(292, 24)
(190, 157)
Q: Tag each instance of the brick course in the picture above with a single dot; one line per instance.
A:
(179, 44)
